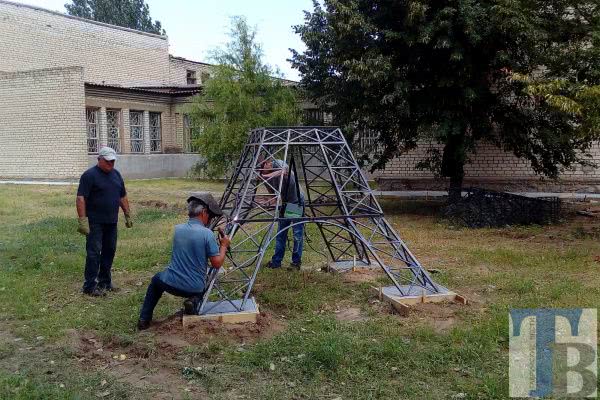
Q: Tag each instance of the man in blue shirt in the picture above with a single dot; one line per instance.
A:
(100, 193)
(193, 246)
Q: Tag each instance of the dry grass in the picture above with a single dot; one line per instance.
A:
(325, 335)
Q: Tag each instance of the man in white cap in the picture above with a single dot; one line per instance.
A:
(100, 193)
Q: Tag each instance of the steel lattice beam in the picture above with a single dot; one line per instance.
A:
(338, 200)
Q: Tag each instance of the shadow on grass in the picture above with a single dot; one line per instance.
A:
(151, 215)
(394, 206)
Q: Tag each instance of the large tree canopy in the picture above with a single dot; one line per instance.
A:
(243, 93)
(134, 14)
(519, 74)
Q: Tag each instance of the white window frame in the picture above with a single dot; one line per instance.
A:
(113, 140)
(155, 132)
(189, 134)
(136, 142)
(92, 126)
(190, 75)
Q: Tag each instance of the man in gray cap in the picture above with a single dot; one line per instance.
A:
(194, 245)
(100, 194)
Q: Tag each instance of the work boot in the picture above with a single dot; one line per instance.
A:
(111, 288)
(95, 293)
(142, 324)
(272, 266)
(294, 266)
(189, 307)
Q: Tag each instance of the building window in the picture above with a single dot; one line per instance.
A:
(113, 125)
(155, 133)
(136, 124)
(313, 117)
(92, 129)
(367, 141)
(190, 135)
(191, 77)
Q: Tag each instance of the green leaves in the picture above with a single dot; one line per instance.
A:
(134, 14)
(444, 71)
(243, 94)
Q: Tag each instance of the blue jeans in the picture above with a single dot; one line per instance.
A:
(282, 237)
(155, 291)
(100, 246)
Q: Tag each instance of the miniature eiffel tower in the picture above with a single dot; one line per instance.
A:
(338, 200)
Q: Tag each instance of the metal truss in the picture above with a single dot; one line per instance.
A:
(338, 200)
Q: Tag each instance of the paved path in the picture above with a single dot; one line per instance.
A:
(50, 183)
(410, 194)
(440, 193)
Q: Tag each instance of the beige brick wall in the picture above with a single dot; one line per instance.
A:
(488, 162)
(178, 70)
(31, 38)
(42, 115)
(171, 119)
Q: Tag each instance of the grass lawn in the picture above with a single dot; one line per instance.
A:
(321, 336)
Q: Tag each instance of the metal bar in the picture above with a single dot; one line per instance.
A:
(276, 213)
(338, 197)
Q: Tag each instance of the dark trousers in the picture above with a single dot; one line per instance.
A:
(155, 291)
(100, 245)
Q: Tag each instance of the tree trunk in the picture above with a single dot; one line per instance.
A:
(453, 162)
(455, 189)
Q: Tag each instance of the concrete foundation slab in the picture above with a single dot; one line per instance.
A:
(413, 295)
(226, 312)
(349, 266)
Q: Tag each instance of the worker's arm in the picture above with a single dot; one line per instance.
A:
(124, 203)
(279, 172)
(218, 260)
(83, 225)
(80, 204)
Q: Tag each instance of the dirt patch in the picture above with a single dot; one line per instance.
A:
(441, 316)
(143, 366)
(265, 327)
(159, 205)
(351, 314)
(362, 275)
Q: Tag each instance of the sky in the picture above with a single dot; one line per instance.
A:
(195, 27)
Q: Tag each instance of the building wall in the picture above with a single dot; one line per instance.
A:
(489, 167)
(153, 165)
(42, 124)
(171, 120)
(34, 38)
(178, 70)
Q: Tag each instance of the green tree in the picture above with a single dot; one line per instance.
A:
(520, 74)
(134, 14)
(242, 93)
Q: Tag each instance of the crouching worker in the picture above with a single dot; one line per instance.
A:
(193, 246)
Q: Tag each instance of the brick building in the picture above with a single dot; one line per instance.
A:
(490, 168)
(71, 85)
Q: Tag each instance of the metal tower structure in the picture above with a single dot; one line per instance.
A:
(338, 200)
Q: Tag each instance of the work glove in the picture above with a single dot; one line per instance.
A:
(128, 220)
(83, 226)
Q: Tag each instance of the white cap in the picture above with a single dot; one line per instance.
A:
(107, 153)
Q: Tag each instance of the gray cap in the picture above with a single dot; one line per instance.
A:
(107, 153)
(208, 200)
